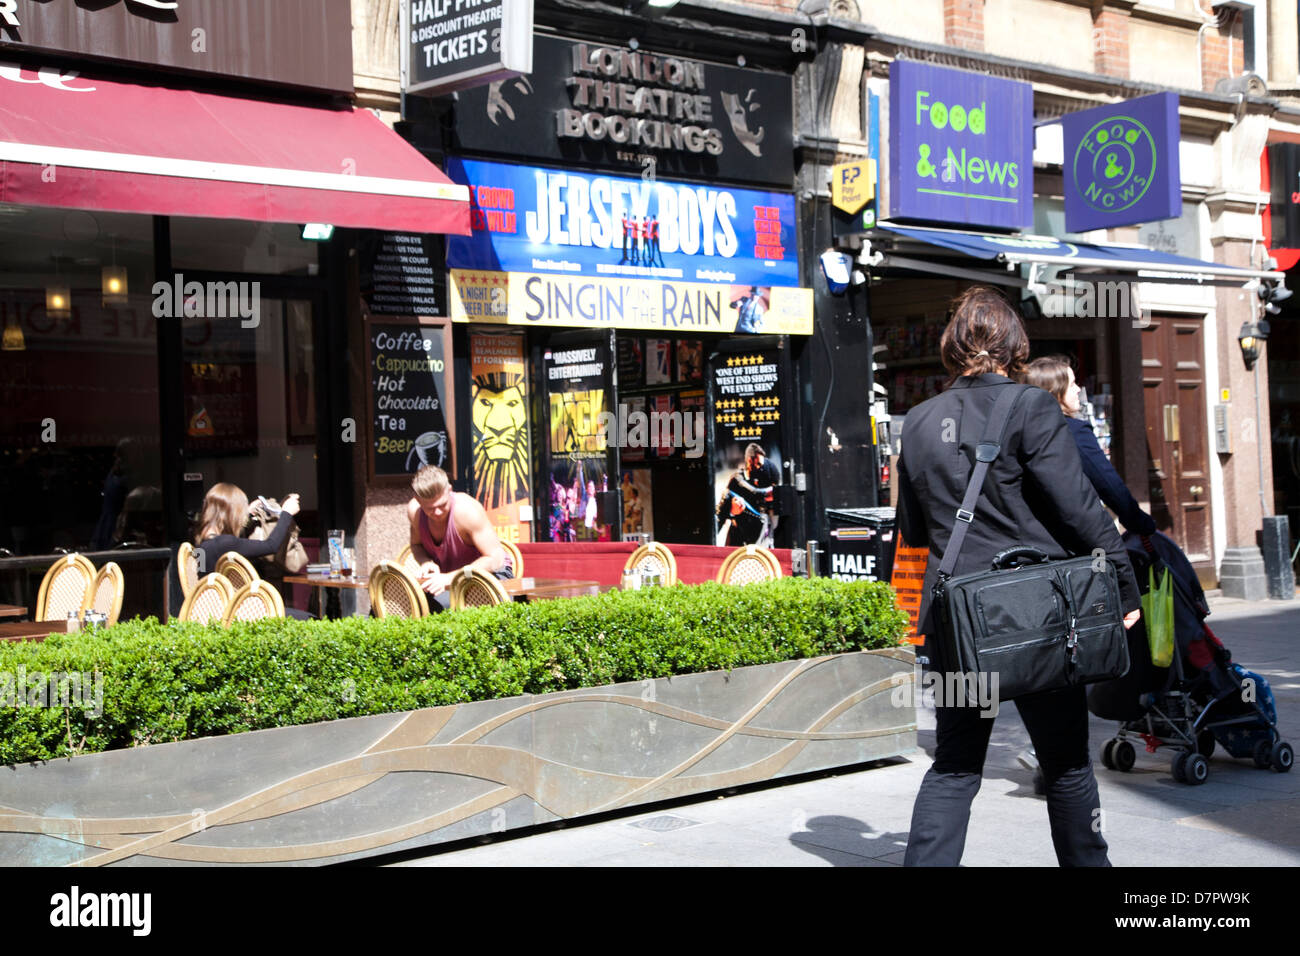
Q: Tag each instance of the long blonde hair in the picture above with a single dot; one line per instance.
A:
(225, 510)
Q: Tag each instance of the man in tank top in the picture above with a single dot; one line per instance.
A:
(450, 531)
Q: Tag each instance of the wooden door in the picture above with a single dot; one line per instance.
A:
(1173, 378)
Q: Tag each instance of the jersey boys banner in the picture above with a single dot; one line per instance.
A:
(534, 219)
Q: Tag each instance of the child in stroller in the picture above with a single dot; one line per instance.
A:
(1200, 699)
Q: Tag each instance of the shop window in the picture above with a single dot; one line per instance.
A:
(236, 245)
(248, 387)
(79, 437)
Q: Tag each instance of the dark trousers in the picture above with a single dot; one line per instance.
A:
(1058, 726)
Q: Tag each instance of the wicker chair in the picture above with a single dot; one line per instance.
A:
(65, 588)
(253, 602)
(655, 557)
(749, 564)
(394, 592)
(516, 558)
(406, 561)
(237, 569)
(187, 567)
(105, 594)
(474, 588)
(209, 600)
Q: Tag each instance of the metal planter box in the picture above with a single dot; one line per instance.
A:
(349, 789)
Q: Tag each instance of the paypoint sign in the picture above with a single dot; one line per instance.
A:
(1121, 164)
(961, 147)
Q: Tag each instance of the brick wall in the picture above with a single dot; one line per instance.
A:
(1110, 42)
(963, 24)
(1221, 52)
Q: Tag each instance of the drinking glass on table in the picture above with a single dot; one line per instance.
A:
(334, 539)
(349, 561)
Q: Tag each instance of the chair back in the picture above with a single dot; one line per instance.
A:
(406, 561)
(105, 593)
(209, 600)
(748, 564)
(237, 569)
(187, 567)
(253, 602)
(64, 588)
(394, 592)
(516, 557)
(474, 588)
(657, 558)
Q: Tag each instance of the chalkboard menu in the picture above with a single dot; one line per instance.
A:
(411, 409)
(403, 274)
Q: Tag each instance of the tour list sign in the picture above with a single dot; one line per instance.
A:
(402, 274)
(410, 385)
(450, 44)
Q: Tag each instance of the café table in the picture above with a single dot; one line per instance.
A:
(12, 610)
(31, 630)
(322, 582)
(537, 589)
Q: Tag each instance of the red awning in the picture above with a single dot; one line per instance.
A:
(88, 143)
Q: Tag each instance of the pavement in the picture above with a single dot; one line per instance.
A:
(1241, 816)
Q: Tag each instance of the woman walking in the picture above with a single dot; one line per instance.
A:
(1035, 495)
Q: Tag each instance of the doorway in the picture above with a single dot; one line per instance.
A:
(1173, 386)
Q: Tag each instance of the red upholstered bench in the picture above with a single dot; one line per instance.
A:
(603, 561)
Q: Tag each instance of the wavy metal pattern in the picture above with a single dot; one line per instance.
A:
(484, 766)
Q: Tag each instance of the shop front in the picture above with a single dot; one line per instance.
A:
(622, 313)
(1137, 319)
(168, 323)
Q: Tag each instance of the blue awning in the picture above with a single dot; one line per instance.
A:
(1134, 261)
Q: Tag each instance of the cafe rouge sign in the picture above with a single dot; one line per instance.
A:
(961, 147)
(633, 110)
(1121, 164)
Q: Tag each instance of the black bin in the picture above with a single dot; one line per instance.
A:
(861, 544)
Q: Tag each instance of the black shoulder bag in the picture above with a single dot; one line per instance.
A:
(1030, 624)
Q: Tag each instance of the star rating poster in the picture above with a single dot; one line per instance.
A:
(747, 407)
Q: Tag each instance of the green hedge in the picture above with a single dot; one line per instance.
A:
(165, 682)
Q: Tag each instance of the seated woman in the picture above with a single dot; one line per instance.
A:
(450, 531)
(224, 514)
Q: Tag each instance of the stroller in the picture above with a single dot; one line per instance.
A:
(1201, 699)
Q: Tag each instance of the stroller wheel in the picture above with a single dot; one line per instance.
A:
(1282, 756)
(1205, 743)
(1177, 768)
(1195, 769)
(1263, 754)
(1124, 756)
(1108, 755)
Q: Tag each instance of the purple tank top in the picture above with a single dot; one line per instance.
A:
(453, 553)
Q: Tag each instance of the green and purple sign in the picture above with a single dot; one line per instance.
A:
(961, 147)
(1121, 164)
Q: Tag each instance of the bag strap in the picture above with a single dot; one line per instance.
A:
(986, 452)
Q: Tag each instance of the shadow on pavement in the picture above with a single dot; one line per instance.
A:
(831, 837)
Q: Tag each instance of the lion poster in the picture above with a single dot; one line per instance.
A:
(499, 413)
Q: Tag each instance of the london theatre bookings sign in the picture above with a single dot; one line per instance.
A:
(410, 379)
(593, 104)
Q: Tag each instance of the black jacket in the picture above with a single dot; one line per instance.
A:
(1035, 494)
(1106, 480)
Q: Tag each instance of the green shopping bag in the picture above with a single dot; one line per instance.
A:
(1158, 617)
